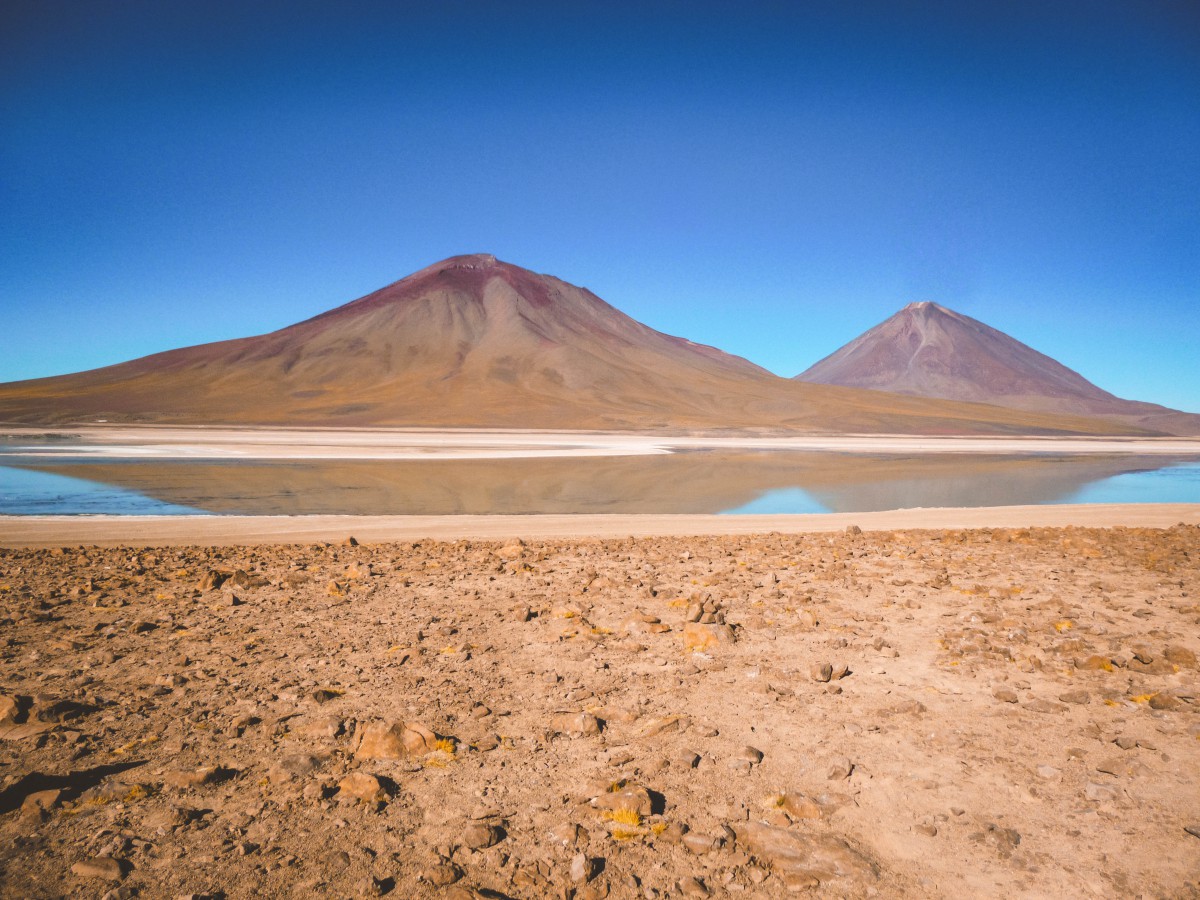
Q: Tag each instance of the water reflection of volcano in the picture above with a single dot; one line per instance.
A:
(690, 482)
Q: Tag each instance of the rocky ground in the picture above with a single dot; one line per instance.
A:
(956, 714)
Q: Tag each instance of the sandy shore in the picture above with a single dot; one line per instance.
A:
(150, 442)
(1003, 713)
(45, 531)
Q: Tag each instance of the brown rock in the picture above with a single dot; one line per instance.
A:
(584, 868)
(642, 623)
(40, 802)
(699, 637)
(632, 797)
(1163, 701)
(580, 724)
(101, 867)
(751, 755)
(192, 778)
(1078, 697)
(10, 709)
(362, 786)
(821, 672)
(840, 770)
(479, 836)
(443, 873)
(396, 740)
(1180, 656)
(1094, 664)
(1004, 695)
(800, 857)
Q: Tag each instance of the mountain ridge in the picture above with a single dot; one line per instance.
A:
(473, 341)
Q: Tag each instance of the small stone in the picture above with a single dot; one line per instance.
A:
(584, 868)
(298, 764)
(1180, 656)
(821, 672)
(1041, 705)
(194, 777)
(1125, 742)
(693, 887)
(479, 836)
(361, 786)
(1004, 695)
(35, 805)
(101, 867)
(853, 530)
(1163, 701)
(10, 710)
(213, 580)
(926, 828)
(699, 637)
(1099, 792)
(443, 874)
(1049, 773)
(687, 759)
(751, 755)
(632, 797)
(840, 770)
(324, 695)
(702, 842)
(1077, 697)
(568, 834)
(396, 740)
(1193, 830)
(575, 724)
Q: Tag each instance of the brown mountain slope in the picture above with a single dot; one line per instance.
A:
(472, 341)
(926, 350)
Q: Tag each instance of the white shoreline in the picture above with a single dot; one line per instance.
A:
(50, 531)
(109, 442)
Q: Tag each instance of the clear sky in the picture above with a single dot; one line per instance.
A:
(771, 178)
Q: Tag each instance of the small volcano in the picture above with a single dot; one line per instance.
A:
(927, 350)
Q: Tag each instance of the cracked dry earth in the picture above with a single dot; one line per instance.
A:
(936, 714)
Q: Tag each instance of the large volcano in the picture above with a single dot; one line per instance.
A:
(926, 350)
(472, 341)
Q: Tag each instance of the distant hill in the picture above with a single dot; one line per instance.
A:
(926, 350)
(472, 341)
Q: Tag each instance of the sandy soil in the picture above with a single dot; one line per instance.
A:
(939, 713)
(162, 442)
(48, 531)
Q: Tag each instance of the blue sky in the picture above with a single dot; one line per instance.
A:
(772, 178)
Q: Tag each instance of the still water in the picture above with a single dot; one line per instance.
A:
(687, 482)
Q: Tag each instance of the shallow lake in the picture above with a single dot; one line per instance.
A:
(701, 481)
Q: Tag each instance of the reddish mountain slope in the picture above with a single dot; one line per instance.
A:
(926, 350)
(472, 341)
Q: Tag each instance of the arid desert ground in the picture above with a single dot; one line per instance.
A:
(943, 713)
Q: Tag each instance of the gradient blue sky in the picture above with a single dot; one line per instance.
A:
(772, 178)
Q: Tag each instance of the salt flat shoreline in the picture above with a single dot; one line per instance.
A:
(46, 531)
(167, 442)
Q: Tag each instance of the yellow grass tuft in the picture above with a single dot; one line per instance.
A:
(623, 816)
